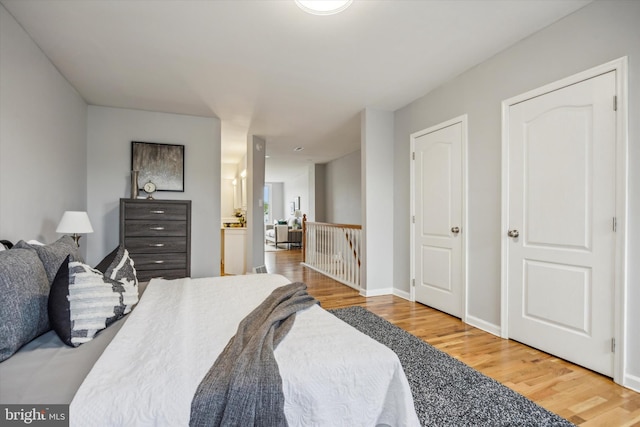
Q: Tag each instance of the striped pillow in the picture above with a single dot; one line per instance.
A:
(83, 301)
(123, 270)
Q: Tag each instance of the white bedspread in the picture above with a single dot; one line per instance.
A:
(332, 374)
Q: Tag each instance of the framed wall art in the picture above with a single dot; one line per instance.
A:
(161, 164)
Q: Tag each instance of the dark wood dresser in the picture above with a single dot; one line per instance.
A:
(157, 234)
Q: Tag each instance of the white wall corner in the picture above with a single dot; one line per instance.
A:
(376, 292)
(402, 294)
(484, 325)
(632, 382)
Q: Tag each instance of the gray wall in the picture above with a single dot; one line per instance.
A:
(42, 140)
(110, 132)
(297, 186)
(343, 190)
(378, 227)
(277, 200)
(283, 193)
(318, 209)
(228, 174)
(329, 192)
(596, 34)
(256, 148)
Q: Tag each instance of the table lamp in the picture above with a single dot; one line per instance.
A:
(75, 223)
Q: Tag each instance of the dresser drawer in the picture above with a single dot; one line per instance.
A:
(159, 261)
(156, 211)
(143, 228)
(155, 245)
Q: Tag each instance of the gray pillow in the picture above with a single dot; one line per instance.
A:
(54, 254)
(25, 291)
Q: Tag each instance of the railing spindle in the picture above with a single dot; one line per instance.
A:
(333, 250)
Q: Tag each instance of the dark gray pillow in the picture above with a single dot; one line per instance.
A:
(25, 290)
(122, 268)
(106, 261)
(52, 255)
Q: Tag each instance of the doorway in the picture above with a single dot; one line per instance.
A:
(561, 212)
(438, 181)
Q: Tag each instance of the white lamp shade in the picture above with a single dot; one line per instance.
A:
(75, 222)
(297, 213)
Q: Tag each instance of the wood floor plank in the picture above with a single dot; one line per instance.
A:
(583, 397)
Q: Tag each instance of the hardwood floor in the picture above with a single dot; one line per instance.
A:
(575, 393)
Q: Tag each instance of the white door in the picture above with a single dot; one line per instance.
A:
(438, 205)
(561, 210)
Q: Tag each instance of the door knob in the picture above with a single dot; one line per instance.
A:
(513, 233)
(455, 230)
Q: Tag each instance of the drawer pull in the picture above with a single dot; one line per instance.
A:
(158, 262)
(156, 228)
(157, 212)
(156, 245)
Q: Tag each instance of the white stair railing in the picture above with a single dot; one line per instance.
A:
(333, 250)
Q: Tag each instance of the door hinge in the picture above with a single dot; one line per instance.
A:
(413, 219)
(413, 155)
(615, 224)
(615, 103)
(613, 345)
(413, 282)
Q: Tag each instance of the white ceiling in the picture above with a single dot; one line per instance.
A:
(266, 68)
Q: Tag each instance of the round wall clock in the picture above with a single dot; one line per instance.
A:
(149, 188)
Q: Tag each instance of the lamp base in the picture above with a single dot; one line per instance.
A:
(76, 238)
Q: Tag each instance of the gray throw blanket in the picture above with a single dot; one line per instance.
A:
(244, 387)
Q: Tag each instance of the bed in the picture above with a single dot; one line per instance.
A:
(144, 368)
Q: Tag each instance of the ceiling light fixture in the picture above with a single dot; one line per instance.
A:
(298, 149)
(323, 7)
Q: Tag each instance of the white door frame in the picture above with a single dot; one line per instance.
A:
(465, 229)
(620, 327)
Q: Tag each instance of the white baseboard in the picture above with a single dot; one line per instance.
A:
(376, 292)
(484, 325)
(402, 294)
(632, 382)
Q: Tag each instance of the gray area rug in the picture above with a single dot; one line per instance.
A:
(446, 392)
